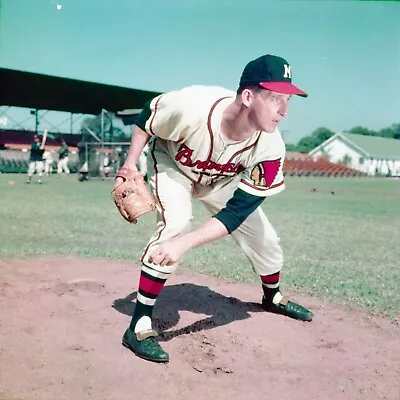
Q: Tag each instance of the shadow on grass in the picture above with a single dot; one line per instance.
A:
(221, 310)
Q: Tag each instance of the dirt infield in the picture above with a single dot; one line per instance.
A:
(61, 322)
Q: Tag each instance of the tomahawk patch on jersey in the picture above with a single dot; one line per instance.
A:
(187, 125)
(264, 173)
(265, 177)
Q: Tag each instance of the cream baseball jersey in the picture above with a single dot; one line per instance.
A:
(187, 126)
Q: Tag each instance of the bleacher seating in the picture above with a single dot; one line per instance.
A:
(13, 161)
(22, 139)
(306, 166)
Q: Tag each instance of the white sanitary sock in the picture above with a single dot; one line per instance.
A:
(277, 298)
(143, 324)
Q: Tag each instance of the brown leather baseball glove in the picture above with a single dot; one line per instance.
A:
(132, 197)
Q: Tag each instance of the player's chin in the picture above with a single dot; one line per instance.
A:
(270, 128)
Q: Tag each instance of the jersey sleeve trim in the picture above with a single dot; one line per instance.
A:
(143, 117)
(262, 191)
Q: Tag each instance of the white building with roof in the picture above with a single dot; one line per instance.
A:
(370, 154)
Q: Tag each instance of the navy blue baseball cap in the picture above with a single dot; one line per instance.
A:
(272, 73)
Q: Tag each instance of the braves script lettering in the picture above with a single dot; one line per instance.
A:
(184, 157)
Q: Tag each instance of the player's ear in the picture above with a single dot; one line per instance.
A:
(247, 97)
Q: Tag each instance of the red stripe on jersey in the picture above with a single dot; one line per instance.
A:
(210, 128)
(250, 146)
(211, 132)
(156, 194)
(154, 115)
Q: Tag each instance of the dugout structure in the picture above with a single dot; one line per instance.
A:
(40, 92)
(101, 160)
(97, 157)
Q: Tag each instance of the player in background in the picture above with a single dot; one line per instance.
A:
(225, 149)
(36, 159)
(142, 164)
(63, 158)
(48, 162)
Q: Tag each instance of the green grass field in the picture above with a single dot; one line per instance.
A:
(340, 236)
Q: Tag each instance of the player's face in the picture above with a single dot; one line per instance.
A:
(268, 109)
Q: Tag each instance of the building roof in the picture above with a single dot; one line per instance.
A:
(369, 146)
(45, 92)
(375, 146)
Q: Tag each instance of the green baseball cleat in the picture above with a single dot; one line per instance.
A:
(289, 309)
(144, 345)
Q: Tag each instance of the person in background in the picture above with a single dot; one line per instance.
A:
(83, 161)
(142, 164)
(63, 159)
(48, 162)
(36, 159)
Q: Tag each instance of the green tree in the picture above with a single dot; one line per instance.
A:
(291, 147)
(386, 132)
(120, 136)
(322, 134)
(307, 143)
(396, 131)
(111, 133)
(360, 130)
(391, 132)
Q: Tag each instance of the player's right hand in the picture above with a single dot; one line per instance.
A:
(118, 180)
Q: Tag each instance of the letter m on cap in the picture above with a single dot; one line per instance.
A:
(288, 73)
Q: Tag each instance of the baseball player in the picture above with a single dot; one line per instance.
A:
(48, 162)
(223, 148)
(36, 159)
(63, 158)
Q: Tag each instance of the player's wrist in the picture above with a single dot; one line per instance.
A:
(130, 166)
(187, 241)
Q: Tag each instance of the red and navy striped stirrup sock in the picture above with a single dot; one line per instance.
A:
(150, 285)
(270, 285)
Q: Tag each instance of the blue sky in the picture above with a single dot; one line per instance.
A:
(345, 54)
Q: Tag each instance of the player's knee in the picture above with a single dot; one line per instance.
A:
(180, 225)
(177, 221)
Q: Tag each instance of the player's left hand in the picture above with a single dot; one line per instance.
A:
(168, 252)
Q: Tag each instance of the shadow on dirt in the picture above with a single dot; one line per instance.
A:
(221, 310)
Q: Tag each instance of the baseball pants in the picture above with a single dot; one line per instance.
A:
(35, 166)
(62, 165)
(174, 193)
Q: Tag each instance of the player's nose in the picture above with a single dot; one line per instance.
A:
(283, 109)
